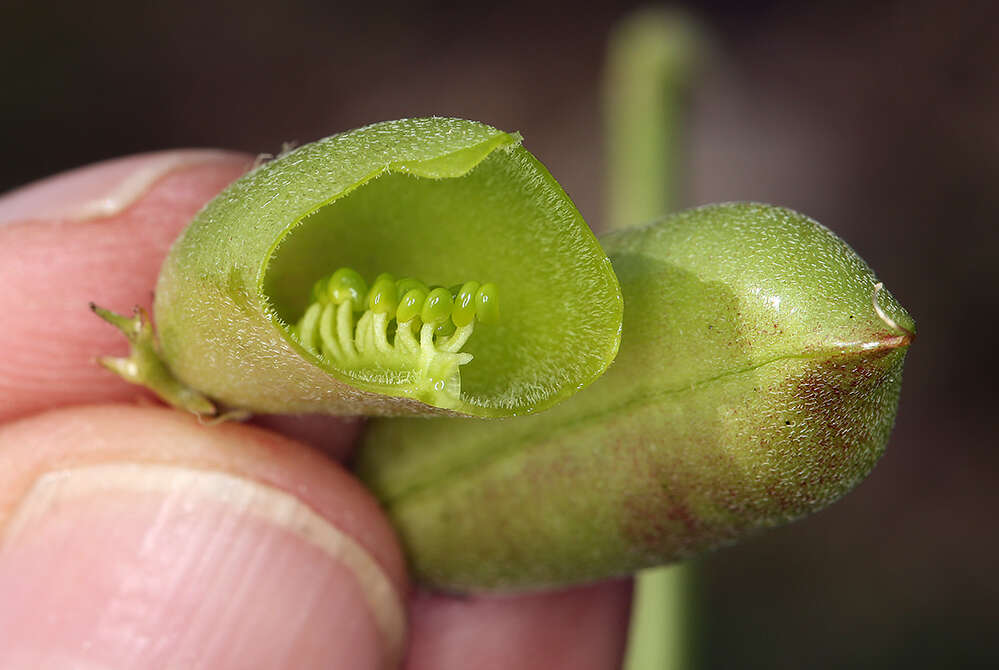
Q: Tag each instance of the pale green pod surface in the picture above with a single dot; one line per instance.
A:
(438, 201)
(757, 381)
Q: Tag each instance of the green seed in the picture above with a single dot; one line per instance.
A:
(411, 305)
(438, 306)
(347, 285)
(383, 298)
(320, 291)
(486, 304)
(407, 284)
(464, 304)
(444, 329)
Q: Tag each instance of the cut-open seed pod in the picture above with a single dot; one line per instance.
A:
(418, 336)
(262, 302)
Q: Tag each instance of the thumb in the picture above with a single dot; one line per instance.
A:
(135, 538)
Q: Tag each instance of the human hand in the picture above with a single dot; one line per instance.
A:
(133, 537)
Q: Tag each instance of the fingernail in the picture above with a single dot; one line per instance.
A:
(100, 190)
(142, 566)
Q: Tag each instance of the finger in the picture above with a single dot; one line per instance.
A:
(136, 538)
(577, 629)
(95, 234)
(335, 436)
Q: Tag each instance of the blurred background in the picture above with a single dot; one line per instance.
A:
(880, 120)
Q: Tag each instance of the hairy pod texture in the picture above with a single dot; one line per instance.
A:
(439, 202)
(757, 381)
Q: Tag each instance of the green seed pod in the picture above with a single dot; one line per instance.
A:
(757, 381)
(247, 319)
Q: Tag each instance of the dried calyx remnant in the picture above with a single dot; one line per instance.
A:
(404, 326)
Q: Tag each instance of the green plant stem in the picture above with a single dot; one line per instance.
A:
(650, 60)
(660, 634)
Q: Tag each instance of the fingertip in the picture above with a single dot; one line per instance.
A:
(163, 543)
(59, 254)
(335, 436)
(103, 189)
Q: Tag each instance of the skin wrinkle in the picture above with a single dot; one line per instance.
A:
(85, 436)
(125, 181)
(81, 437)
(253, 499)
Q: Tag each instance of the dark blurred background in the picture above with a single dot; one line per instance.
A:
(879, 119)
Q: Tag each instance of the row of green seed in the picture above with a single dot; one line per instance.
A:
(406, 298)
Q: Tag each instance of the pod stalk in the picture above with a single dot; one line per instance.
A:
(144, 365)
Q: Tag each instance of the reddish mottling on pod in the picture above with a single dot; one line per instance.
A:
(757, 381)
